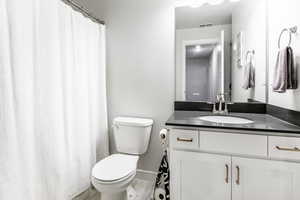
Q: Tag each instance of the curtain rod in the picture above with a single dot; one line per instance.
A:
(83, 10)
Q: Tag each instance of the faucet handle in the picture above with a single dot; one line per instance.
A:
(214, 106)
(226, 106)
(220, 97)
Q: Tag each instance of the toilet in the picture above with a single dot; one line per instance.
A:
(112, 175)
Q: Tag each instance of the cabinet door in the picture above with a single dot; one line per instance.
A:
(255, 179)
(198, 176)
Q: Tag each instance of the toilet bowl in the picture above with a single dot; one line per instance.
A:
(114, 174)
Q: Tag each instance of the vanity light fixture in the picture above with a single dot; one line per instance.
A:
(197, 3)
(215, 2)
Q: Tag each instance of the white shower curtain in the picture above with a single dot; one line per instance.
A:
(53, 118)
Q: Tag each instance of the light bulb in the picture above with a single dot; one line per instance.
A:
(198, 48)
(198, 3)
(215, 2)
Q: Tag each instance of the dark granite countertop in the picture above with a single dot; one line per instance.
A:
(262, 122)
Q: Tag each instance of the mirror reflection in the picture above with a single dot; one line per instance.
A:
(221, 49)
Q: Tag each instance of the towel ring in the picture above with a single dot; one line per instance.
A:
(290, 37)
(291, 31)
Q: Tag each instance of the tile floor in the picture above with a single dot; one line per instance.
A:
(139, 190)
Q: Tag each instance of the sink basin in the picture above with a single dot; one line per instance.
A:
(226, 119)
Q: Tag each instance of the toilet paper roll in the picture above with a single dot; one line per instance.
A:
(160, 194)
(163, 136)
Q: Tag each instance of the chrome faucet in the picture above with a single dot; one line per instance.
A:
(220, 100)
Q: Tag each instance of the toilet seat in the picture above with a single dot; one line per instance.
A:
(115, 168)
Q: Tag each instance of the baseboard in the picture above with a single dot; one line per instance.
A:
(146, 175)
(86, 195)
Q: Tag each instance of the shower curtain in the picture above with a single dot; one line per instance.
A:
(53, 117)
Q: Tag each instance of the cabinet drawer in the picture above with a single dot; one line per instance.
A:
(241, 144)
(285, 148)
(184, 139)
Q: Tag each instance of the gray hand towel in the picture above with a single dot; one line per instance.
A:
(249, 75)
(280, 72)
(246, 76)
(252, 75)
(292, 80)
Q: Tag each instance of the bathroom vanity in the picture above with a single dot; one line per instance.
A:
(232, 136)
(218, 161)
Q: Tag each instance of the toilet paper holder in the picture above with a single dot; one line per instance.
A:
(163, 135)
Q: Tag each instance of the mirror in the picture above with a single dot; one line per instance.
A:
(221, 48)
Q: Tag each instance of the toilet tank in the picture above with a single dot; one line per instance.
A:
(132, 135)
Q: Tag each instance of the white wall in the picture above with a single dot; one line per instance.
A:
(283, 14)
(250, 18)
(140, 64)
(183, 35)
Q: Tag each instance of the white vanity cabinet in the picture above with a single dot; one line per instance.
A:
(197, 176)
(232, 166)
(256, 179)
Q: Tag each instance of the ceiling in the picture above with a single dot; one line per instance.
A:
(206, 50)
(189, 17)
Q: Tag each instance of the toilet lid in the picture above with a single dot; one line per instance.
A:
(115, 167)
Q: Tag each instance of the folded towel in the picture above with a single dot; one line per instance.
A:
(249, 75)
(280, 72)
(292, 80)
